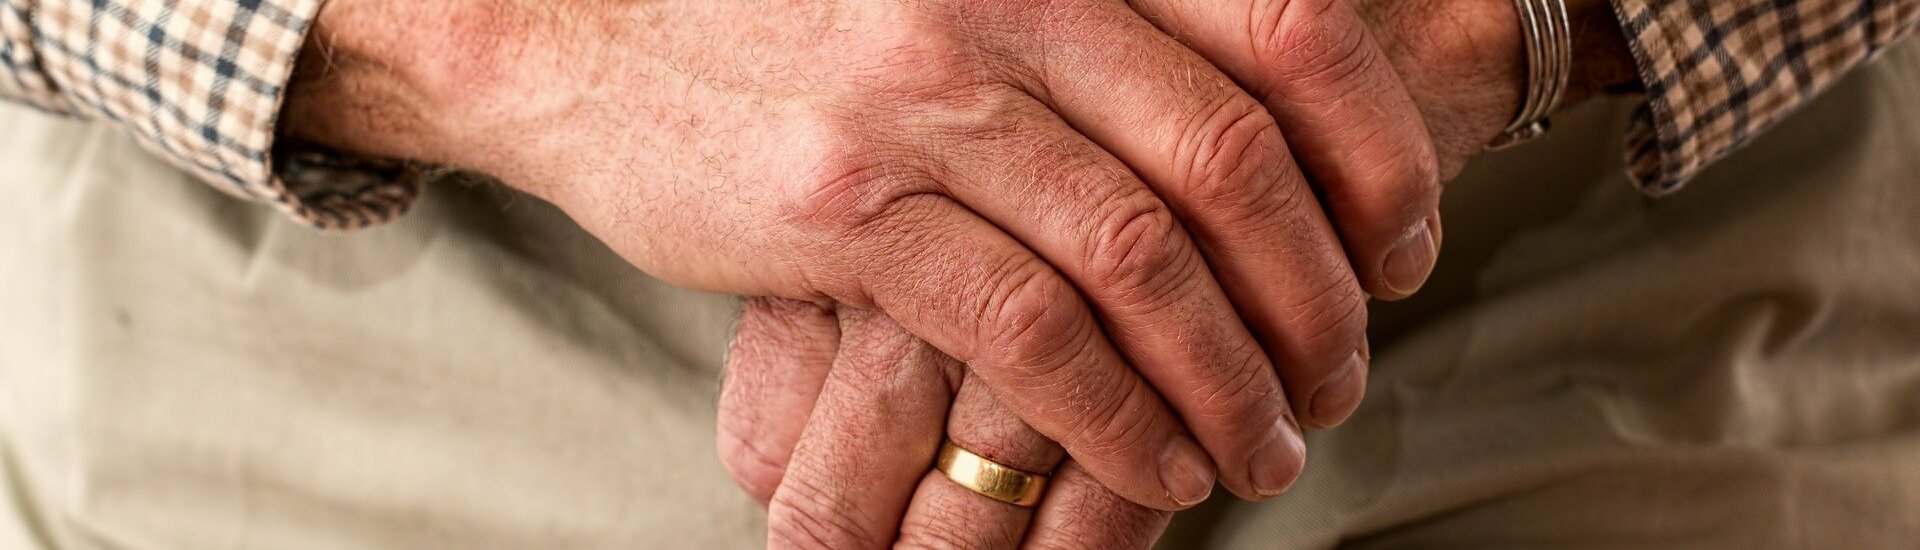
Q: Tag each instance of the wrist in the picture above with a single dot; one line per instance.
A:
(1464, 62)
(403, 80)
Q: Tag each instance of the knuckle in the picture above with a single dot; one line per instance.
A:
(855, 185)
(804, 516)
(1042, 344)
(1386, 199)
(1422, 172)
(1115, 428)
(1137, 248)
(756, 471)
(1232, 154)
(993, 121)
(1303, 41)
(1236, 388)
(1406, 182)
(1032, 326)
(1330, 323)
(1419, 177)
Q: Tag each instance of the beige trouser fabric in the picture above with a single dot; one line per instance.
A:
(1736, 367)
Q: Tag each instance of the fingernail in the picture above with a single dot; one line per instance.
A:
(1186, 472)
(1411, 261)
(1277, 463)
(1340, 394)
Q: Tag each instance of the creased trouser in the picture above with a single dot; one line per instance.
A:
(1737, 366)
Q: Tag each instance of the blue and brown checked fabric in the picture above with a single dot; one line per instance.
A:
(200, 82)
(1719, 72)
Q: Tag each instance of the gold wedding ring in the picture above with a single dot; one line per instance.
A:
(991, 479)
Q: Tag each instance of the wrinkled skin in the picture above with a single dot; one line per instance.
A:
(1098, 219)
(791, 416)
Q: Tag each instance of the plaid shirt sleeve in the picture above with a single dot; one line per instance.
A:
(1719, 72)
(200, 83)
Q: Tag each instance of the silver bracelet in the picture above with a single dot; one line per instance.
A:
(1547, 34)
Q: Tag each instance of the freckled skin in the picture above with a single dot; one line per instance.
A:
(1450, 54)
(1089, 212)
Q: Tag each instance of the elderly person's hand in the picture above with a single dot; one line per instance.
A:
(834, 416)
(865, 403)
(1101, 223)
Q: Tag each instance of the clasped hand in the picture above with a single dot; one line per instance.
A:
(831, 413)
(1141, 234)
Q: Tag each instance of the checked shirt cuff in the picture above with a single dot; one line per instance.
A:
(199, 82)
(1719, 73)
